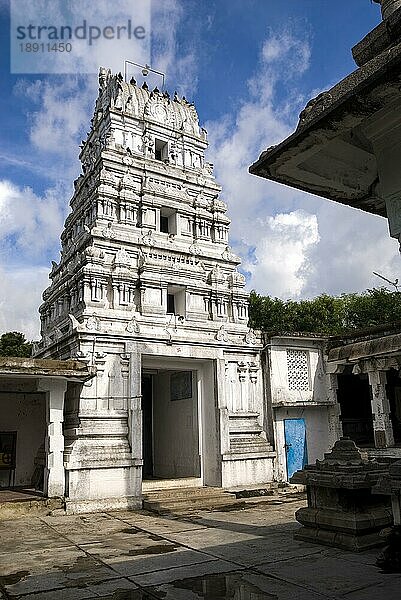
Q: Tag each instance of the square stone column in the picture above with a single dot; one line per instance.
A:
(384, 132)
(382, 426)
(135, 406)
(333, 411)
(54, 477)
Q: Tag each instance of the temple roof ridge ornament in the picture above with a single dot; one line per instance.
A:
(143, 103)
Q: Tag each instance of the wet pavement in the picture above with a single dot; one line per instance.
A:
(240, 555)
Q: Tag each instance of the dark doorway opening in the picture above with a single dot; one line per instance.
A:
(147, 426)
(354, 396)
(393, 390)
(170, 431)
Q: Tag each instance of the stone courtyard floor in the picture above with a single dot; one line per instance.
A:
(246, 554)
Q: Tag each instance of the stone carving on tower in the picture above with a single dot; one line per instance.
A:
(146, 269)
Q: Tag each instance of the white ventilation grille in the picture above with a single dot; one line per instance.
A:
(298, 370)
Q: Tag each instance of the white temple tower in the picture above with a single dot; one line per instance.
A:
(147, 291)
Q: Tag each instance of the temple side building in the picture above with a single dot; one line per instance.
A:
(148, 293)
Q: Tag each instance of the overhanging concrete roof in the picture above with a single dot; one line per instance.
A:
(37, 367)
(389, 345)
(329, 154)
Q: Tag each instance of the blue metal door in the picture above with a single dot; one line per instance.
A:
(295, 445)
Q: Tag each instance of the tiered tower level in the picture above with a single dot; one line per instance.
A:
(146, 284)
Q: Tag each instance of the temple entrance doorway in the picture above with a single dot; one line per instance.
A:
(22, 438)
(354, 396)
(171, 425)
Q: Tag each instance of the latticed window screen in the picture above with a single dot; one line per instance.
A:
(298, 370)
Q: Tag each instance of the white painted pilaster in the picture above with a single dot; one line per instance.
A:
(54, 477)
(383, 429)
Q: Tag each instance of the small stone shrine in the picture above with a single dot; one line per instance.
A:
(341, 509)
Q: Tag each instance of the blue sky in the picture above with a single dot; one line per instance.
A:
(250, 66)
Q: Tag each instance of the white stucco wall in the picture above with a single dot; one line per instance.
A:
(24, 413)
(280, 392)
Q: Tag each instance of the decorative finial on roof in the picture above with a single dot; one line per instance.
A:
(388, 7)
(145, 86)
(133, 81)
(120, 76)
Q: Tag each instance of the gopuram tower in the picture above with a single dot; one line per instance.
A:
(147, 291)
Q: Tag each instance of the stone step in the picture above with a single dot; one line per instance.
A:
(190, 492)
(189, 505)
(255, 491)
(187, 499)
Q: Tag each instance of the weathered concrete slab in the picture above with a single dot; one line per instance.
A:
(333, 575)
(245, 545)
(61, 594)
(25, 534)
(184, 572)
(83, 529)
(211, 538)
(45, 570)
(130, 566)
(160, 525)
(245, 554)
(234, 585)
(115, 586)
(282, 590)
(390, 590)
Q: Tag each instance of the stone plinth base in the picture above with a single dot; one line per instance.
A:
(73, 507)
(354, 532)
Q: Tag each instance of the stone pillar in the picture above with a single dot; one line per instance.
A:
(54, 477)
(385, 135)
(334, 410)
(135, 408)
(222, 405)
(382, 426)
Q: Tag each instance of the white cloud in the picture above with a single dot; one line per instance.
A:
(20, 297)
(353, 245)
(62, 116)
(292, 244)
(287, 49)
(29, 230)
(180, 65)
(29, 225)
(280, 262)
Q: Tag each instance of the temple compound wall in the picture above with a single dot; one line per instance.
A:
(147, 292)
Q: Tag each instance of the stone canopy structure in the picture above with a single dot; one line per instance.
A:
(147, 291)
